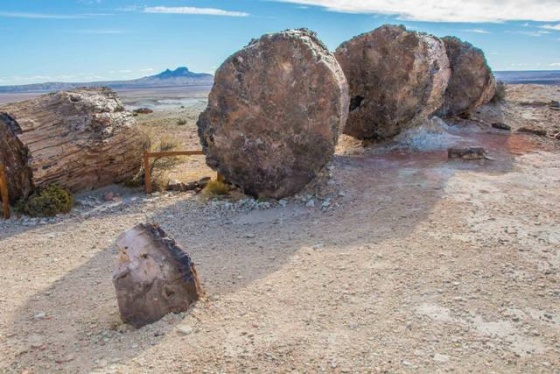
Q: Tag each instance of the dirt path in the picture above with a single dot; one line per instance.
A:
(400, 261)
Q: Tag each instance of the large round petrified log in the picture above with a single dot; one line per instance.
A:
(155, 276)
(397, 78)
(472, 83)
(275, 113)
(79, 140)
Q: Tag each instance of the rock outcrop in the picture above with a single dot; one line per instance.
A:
(472, 83)
(78, 140)
(275, 113)
(397, 78)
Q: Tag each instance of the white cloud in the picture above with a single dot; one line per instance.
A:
(531, 33)
(477, 31)
(125, 71)
(447, 11)
(193, 10)
(146, 70)
(551, 27)
(555, 64)
(50, 15)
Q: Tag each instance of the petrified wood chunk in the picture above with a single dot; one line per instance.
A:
(79, 140)
(529, 130)
(470, 153)
(275, 113)
(155, 276)
(397, 78)
(472, 83)
(501, 126)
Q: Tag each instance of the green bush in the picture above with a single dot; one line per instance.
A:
(181, 122)
(46, 202)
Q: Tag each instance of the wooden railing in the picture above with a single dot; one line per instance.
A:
(4, 192)
(148, 155)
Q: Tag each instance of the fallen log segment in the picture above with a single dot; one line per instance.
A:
(79, 140)
(155, 276)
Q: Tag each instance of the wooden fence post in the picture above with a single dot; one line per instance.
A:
(147, 176)
(4, 192)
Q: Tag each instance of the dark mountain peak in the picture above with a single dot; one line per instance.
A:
(179, 72)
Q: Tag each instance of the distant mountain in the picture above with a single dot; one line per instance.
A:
(529, 77)
(168, 78)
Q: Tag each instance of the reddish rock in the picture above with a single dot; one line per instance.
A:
(397, 78)
(275, 113)
(472, 83)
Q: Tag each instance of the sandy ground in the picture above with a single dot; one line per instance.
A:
(395, 260)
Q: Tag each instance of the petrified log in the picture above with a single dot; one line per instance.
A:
(275, 113)
(529, 130)
(501, 126)
(470, 153)
(155, 276)
(472, 83)
(79, 140)
(397, 78)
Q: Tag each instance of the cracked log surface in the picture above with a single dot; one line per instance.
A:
(80, 139)
(155, 276)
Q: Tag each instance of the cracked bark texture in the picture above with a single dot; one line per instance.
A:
(80, 139)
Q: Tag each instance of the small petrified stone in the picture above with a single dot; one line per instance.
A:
(275, 113)
(397, 78)
(470, 153)
(472, 83)
(154, 277)
(501, 126)
(528, 130)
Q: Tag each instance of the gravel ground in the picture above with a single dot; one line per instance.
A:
(395, 260)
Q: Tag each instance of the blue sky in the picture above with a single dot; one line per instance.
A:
(89, 40)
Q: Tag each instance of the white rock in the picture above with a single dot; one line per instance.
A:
(441, 358)
(185, 330)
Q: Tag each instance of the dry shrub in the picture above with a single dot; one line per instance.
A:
(215, 188)
(159, 166)
(46, 202)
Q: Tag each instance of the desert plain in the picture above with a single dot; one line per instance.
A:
(396, 259)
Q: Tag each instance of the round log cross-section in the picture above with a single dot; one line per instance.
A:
(397, 79)
(275, 113)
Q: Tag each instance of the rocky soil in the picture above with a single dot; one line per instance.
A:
(396, 260)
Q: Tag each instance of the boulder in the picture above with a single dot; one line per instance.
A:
(274, 114)
(472, 83)
(79, 140)
(397, 78)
